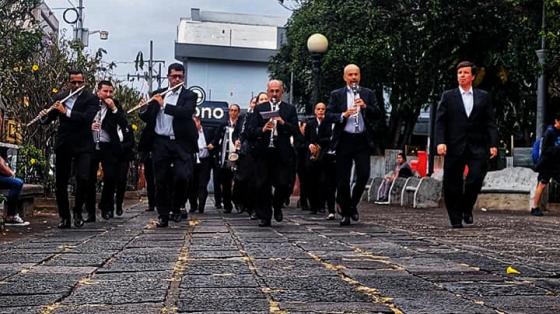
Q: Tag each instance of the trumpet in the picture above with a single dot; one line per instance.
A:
(144, 103)
(39, 116)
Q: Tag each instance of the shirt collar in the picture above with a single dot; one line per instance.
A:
(469, 91)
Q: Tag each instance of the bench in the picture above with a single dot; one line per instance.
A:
(509, 188)
(26, 202)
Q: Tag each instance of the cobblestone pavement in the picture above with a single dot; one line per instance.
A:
(394, 261)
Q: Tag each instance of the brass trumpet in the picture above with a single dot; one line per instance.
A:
(39, 116)
(145, 103)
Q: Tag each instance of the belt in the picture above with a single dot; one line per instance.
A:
(169, 138)
(353, 135)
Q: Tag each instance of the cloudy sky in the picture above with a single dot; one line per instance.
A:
(133, 23)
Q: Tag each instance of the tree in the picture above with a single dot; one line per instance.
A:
(409, 48)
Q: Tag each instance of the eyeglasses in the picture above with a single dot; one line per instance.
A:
(176, 76)
(76, 82)
(233, 110)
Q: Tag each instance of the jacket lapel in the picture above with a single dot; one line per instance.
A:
(459, 102)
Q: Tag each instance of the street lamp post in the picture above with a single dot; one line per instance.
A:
(541, 84)
(317, 45)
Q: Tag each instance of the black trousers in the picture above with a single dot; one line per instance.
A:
(173, 170)
(109, 162)
(322, 183)
(65, 156)
(226, 182)
(122, 180)
(244, 186)
(198, 188)
(303, 173)
(150, 180)
(272, 171)
(216, 172)
(351, 148)
(460, 194)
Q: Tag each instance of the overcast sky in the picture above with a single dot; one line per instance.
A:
(133, 23)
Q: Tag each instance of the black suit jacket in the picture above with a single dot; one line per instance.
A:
(476, 132)
(290, 128)
(109, 125)
(372, 114)
(320, 136)
(76, 130)
(183, 124)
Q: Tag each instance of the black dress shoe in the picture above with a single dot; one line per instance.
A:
(64, 224)
(278, 216)
(227, 210)
(106, 215)
(150, 209)
(218, 206)
(253, 216)
(192, 210)
(175, 217)
(78, 220)
(468, 219)
(162, 222)
(345, 221)
(457, 226)
(90, 219)
(264, 223)
(355, 216)
(111, 214)
(119, 211)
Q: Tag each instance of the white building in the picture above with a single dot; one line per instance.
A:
(227, 54)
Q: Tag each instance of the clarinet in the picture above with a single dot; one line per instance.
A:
(356, 92)
(97, 133)
(274, 131)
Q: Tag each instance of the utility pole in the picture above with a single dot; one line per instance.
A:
(150, 67)
(542, 83)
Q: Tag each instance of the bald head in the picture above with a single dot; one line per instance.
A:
(275, 89)
(351, 74)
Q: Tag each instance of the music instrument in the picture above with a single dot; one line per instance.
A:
(145, 103)
(274, 131)
(39, 116)
(356, 92)
(97, 133)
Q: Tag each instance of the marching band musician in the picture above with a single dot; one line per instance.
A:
(107, 150)
(174, 138)
(274, 154)
(226, 141)
(73, 143)
(198, 187)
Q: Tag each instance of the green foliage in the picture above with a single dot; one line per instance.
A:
(409, 48)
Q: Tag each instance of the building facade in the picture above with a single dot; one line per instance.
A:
(227, 54)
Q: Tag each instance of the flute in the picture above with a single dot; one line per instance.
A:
(39, 116)
(153, 97)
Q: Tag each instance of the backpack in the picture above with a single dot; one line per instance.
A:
(536, 150)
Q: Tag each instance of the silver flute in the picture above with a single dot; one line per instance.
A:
(70, 95)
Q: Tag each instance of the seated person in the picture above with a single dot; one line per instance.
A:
(9, 181)
(402, 170)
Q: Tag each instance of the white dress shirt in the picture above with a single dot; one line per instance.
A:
(164, 122)
(468, 101)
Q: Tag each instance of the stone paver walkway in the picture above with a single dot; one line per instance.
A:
(394, 261)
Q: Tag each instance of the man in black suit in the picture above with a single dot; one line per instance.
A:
(273, 152)
(225, 143)
(107, 150)
(174, 143)
(73, 143)
(465, 133)
(355, 112)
